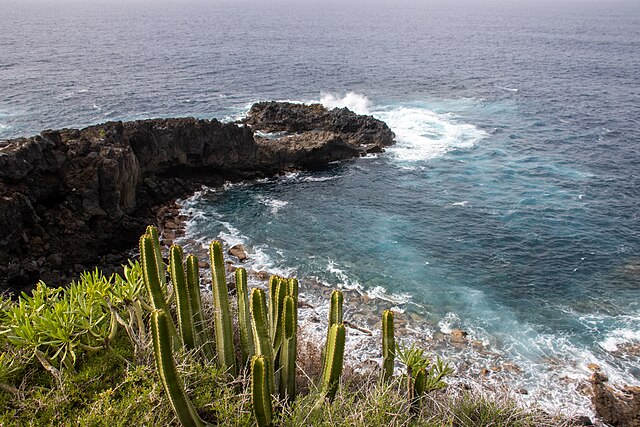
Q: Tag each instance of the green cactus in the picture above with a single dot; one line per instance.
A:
(335, 316)
(289, 348)
(261, 391)
(335, 309)
(183, 298)
(153, 232)
(201, 333)
(260, 328)
(222, 317)
(333, 361)
(293, 288)
(419, 383)
(244, 317)
(162, 337)
(388, 345)
(277, 303)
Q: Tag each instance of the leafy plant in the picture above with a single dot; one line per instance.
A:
(423, 376)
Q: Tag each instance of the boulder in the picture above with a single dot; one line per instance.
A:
(238, 252)
(619, 407)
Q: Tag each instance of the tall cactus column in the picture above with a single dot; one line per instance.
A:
(388, 345)
(244, 317)
(162, 350)
(183, 297)
(333, 361)
(152, 281)
(201, 333)
(261, 391)
(289, 348)
(222, 317)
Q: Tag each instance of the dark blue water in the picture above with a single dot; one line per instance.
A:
(509, 207)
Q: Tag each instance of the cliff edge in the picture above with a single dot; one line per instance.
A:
(72, 199)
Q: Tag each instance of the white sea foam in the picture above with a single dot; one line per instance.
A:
(508, 89)
(422, 134)
(381, 293)
(274, 205)
(355, 102)
(462, 203)
(342, 278)
(619, 337)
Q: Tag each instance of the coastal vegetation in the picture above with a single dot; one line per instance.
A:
(137, 349)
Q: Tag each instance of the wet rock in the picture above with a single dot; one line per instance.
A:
(523, 391)
(581, 420)
(238, 252)
(619, 407)
(261, 275)
(593, 367)
(458, 336)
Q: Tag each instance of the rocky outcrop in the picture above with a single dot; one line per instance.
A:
(341, 128)
(72, 199)
(618, 408)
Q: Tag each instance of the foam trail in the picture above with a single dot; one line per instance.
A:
(422, 134)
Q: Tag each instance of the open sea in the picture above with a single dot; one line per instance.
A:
(509, 206)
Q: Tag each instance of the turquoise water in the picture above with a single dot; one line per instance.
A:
(465, 224)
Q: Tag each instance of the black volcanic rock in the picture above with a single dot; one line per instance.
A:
(361, 133)
(73, 199)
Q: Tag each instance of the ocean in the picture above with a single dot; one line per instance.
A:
(509, 206)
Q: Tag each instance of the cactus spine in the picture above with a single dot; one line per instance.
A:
(333, 361)
(183, 299)
(289, 348)
(222, 318)
(261, 391)
(244, 317)
(193, 283)
(162, 337)
(388, 345)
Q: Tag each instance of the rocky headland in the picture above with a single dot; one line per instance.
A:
(73, 199)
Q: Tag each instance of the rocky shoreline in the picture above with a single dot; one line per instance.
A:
(73, 199)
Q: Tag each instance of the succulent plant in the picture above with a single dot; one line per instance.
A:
(388, 345)
(193, 283)
(222, 316)
(333, 364)
(244, 317)
(162, 350)
(261, 391)
(183, 297)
